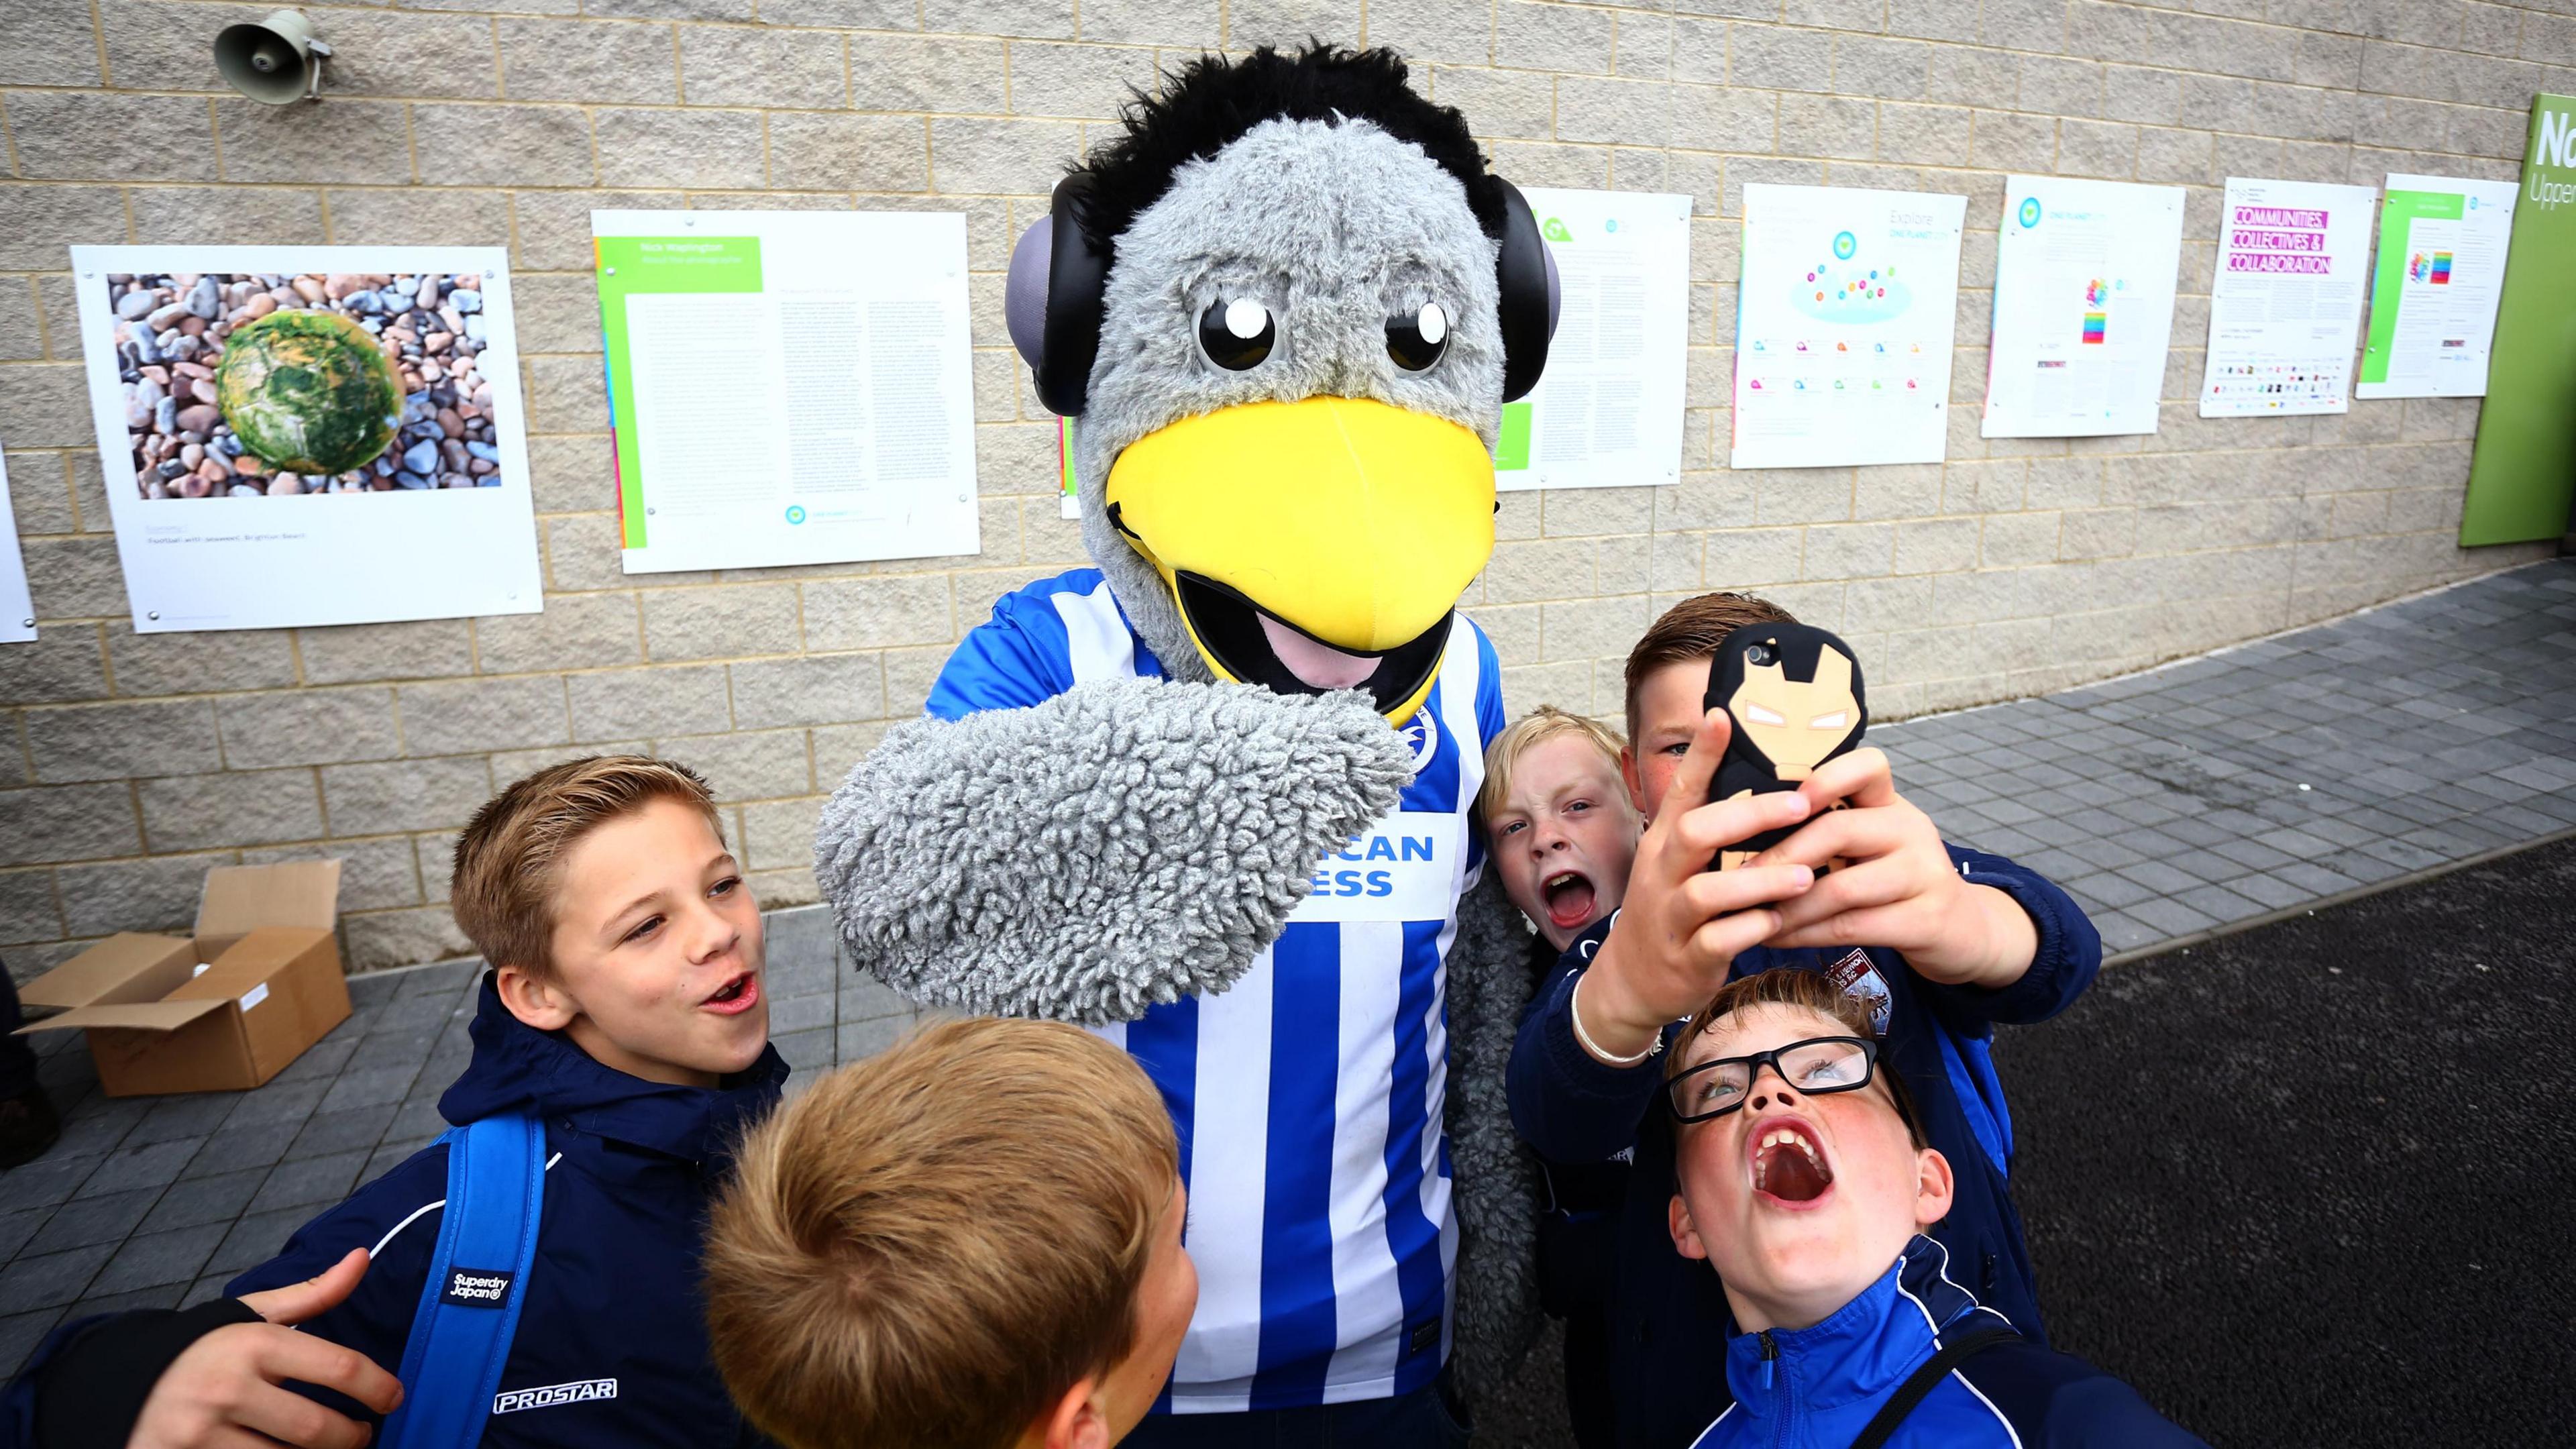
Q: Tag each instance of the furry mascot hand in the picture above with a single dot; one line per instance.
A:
(1126, 842)
(1214, 794)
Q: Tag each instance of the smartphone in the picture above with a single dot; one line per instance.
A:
(1794, 694)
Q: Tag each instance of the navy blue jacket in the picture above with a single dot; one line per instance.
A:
(613, 1294)
(1665, 1314)
(1818, 1387)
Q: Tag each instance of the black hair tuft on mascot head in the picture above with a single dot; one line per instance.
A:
(1211, 102)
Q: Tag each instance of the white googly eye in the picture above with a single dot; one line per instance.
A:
(1761, 716)
(1834, 721)
(1237, 335)
(1417, 343)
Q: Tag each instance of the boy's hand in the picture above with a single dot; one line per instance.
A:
(1681, 923)
(1899, 889)
(223, 1391)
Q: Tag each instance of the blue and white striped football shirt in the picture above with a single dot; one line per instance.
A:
(1308, 1096)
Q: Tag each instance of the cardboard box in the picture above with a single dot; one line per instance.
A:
(224, 1011)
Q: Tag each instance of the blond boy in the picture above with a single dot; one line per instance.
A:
(1559, 821)
(625, 1017)
(970, 1241)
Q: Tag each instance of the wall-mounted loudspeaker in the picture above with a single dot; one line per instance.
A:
(277, 60)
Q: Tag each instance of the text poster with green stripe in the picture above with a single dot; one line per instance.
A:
(788, 387)
(1607, 413)
(2524, 470)
(2433, 294)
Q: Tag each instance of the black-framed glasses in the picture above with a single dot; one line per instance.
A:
(1816, 1066)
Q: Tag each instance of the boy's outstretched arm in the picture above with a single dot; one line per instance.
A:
(1682, 924)
(209, 1377)
(1998, 943)
(1897, 887)
(1582, 1073)
(229, 1381)
(349, 1282)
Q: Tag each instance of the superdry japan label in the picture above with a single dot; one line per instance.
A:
(476, 1287)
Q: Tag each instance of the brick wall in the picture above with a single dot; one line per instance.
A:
(128, 764)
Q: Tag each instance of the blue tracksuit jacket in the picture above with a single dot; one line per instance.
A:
(1665, 1314)
(1817, 1388)
(613, 1314)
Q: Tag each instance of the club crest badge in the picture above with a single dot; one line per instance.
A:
(1855, 977)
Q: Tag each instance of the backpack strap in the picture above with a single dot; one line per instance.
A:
(1920, 1382)
(478, 1280)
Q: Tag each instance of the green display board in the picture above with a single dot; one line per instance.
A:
(631, 264)
(2523, 474)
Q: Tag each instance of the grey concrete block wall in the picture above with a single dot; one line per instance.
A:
(128, 763)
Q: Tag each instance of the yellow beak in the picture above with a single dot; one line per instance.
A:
(1314, 544)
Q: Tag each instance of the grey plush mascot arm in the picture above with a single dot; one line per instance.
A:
(1124, 843)
(1497, 1183)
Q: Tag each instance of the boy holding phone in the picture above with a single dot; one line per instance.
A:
(1956, 942)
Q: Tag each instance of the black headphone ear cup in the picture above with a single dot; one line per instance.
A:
(1077, 279)
(1528, 285)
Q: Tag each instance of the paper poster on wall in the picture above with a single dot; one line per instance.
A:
(2523, 474)
(2433, 292)
(2084, 300)
(788, 387)
(309, 435)
(2285, 307)
(1843, 326)
(1607, 413)
(17, 611)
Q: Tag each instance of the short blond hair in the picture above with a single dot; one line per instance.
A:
(509, 860)
(929, 1247)
(1527, 733)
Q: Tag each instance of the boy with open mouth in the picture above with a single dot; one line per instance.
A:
(1558, 820)
(626, 1020)
(1805, 1182)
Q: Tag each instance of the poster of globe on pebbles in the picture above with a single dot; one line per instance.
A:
(309, 435)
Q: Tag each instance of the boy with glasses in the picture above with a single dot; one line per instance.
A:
(1805, 1182)
(1957, 942)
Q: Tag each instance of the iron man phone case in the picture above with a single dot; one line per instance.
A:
(1794, 694)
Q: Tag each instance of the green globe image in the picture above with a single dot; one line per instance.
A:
(308, 391)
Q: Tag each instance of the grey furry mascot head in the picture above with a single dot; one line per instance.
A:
(1287, 306)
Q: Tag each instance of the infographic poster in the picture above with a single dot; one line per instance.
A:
(2433, 293)
(2523, 472)
(17, 611)
(2084, 299)
(309, 435)
(1608, 411)
(1843, 326)
(788, 387)
(2285, 307)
